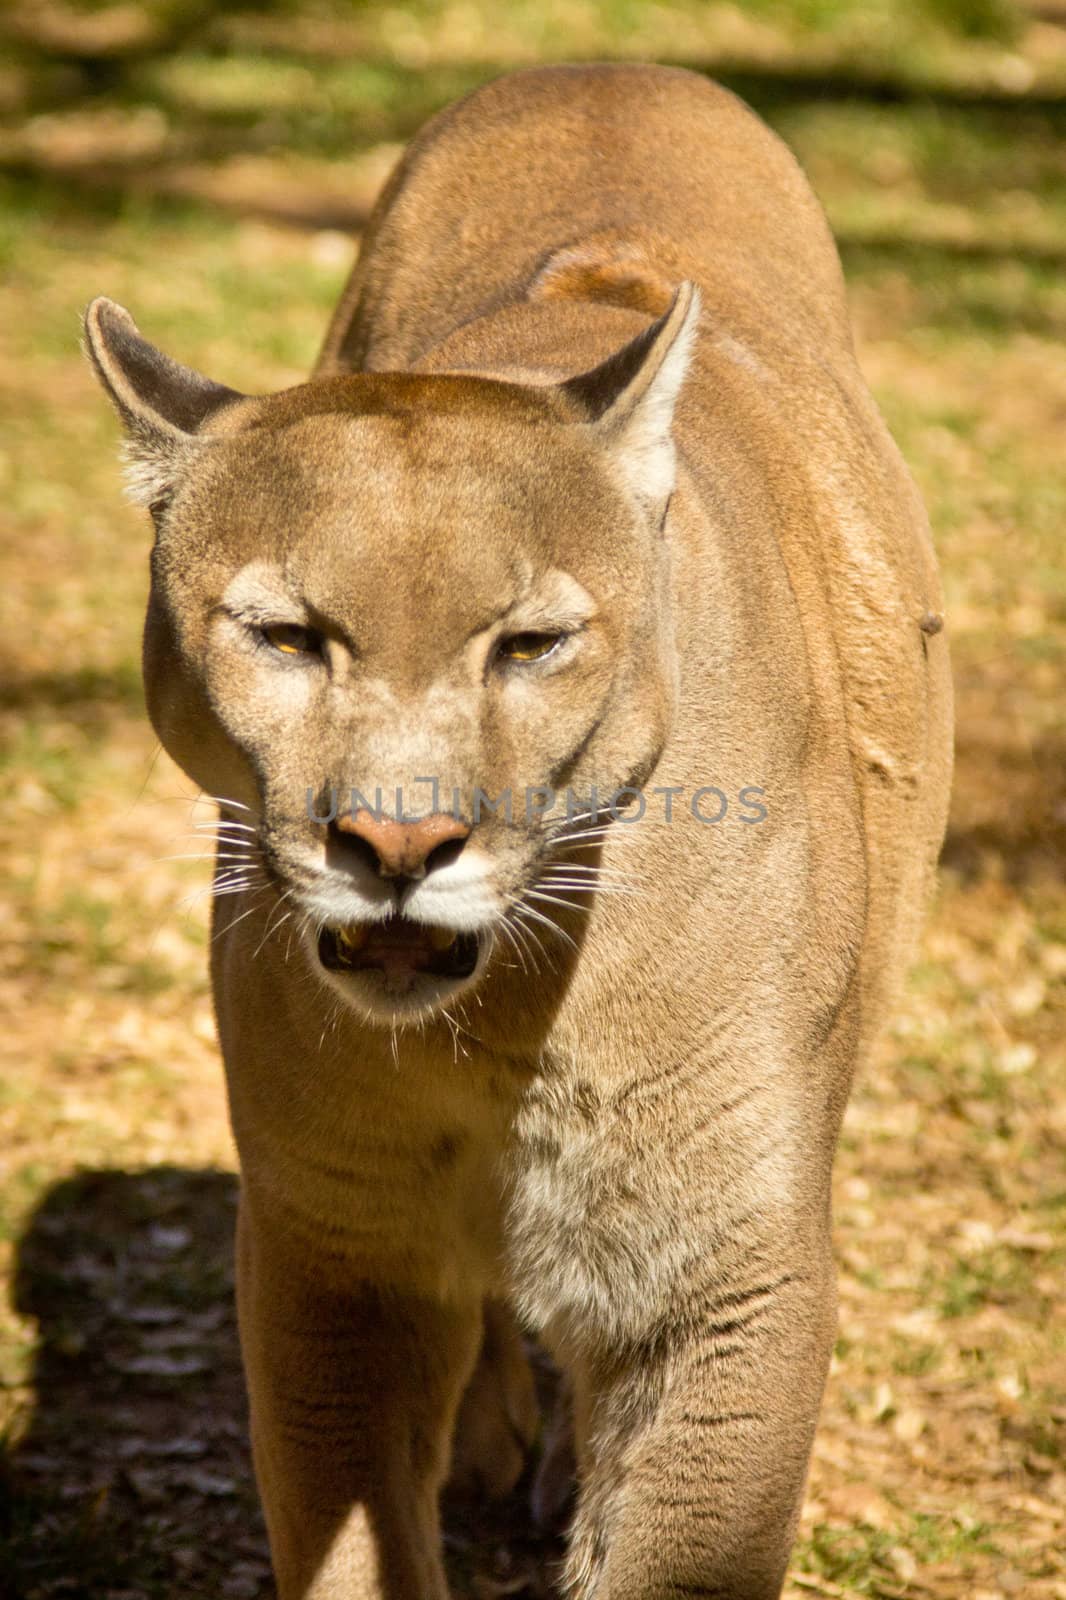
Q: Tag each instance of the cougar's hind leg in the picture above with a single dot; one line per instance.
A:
(498, 1418)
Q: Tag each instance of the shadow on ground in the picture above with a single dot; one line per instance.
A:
(140, 1418)
(1009, 820)
(133, 1480)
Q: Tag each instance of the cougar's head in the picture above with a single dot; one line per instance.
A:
(413, 630)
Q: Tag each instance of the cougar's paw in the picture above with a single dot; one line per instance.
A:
(498, 1416)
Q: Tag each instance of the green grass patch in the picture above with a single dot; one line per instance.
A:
(867, 1560)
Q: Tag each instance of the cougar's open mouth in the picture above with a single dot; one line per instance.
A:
(399, 948)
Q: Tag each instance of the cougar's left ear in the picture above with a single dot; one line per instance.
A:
(630, 399)
(162, 404)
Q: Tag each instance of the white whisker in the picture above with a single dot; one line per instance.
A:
(509, 933)
(222, 800)
(623, 891)
(214, 855)
(530, 942)
(255, 906)
(538, 916)
(279, 921)
(590, 875)
(556, 900)
(454, 1026)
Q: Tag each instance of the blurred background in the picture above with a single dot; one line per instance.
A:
(210, 165)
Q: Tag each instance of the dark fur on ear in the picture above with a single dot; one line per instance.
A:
(630, 397)
(163, 405)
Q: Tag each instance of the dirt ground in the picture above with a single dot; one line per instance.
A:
(205, 187)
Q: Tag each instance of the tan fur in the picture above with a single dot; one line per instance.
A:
(623, 1125)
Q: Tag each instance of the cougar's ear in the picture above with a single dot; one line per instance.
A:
(630, 398)
(162, 404)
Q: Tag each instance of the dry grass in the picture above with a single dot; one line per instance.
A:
(938, 1469)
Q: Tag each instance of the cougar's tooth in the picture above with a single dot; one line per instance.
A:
(442, 938)
(353, 937)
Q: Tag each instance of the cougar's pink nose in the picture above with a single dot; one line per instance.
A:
(404, 849)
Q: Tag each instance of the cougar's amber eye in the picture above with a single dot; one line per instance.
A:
(527, 646)
(291, 639)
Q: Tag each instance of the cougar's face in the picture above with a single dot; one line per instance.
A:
(412, 631)
(415, 657)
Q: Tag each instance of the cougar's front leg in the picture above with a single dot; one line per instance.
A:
(693, 1448)
(353, 1395)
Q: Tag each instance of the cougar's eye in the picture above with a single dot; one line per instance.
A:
(528, 646)
(291, 639)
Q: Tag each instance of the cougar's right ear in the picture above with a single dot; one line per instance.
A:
(162, 404)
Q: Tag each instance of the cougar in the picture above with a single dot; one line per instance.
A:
(566, 660)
